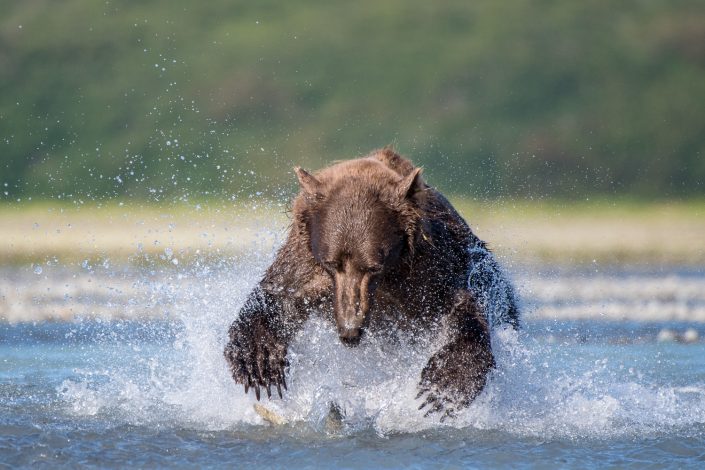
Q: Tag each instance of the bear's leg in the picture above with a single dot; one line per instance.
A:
(258, 342)
(457, 373)
(492, 288)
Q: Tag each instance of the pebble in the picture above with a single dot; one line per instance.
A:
(666, 336)
(690, 336)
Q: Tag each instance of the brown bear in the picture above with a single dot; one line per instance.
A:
(373, 248)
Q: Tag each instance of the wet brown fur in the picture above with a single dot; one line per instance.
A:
(371, 247)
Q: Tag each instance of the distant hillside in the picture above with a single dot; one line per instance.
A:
(522, 98)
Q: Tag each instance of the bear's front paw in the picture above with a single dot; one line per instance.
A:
(454, 376)
(257, 356)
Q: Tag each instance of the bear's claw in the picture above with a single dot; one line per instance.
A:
(453, 377)
(435, 404)
(257, 358)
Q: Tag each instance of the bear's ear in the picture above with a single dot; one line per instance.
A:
(393, 160)
(310, 185)
(411, 184)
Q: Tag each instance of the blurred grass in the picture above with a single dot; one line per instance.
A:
(65, 234)
(602, 231)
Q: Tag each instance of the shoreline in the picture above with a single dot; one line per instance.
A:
(59, 293)
(518, 231)
(641, 262)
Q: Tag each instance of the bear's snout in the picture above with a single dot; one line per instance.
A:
(350, 336)
(352, 303)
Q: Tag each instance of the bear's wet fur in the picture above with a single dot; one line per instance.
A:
(372, 247)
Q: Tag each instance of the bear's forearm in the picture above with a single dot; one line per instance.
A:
(274, 311)
(260, 305)
(258, 342)
(468, 318)
(457, 373)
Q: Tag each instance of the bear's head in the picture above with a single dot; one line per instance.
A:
(360, 219)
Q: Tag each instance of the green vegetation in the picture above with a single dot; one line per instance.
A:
(523, 98)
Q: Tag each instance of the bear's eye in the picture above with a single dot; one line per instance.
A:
(382, 255)
(374, 269)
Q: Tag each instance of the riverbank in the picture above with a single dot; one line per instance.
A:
(572, 233)
(106, 292)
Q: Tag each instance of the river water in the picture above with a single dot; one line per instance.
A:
(594, 378)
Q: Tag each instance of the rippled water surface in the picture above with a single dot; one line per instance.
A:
(156, 392)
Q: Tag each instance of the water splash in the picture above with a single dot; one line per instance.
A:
(538, 389)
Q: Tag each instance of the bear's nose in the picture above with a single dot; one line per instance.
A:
(351, 336)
